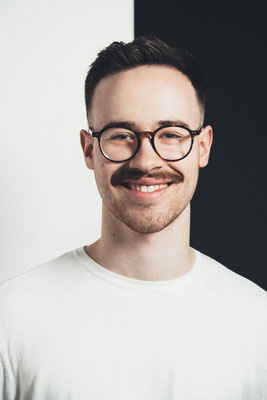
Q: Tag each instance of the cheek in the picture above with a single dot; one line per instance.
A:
(191, 162)
(191, 174)
(188, 167)
(103, 172)
(99, 172)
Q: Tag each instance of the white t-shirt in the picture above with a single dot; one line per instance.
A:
(73, 330)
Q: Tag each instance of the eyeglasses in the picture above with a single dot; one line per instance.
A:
(172, 143)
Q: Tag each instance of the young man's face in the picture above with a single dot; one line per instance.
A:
(143, 96)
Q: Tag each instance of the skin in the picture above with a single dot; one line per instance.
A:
(146, 237)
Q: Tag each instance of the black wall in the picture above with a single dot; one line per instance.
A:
(229, 38)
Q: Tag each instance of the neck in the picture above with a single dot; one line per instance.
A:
(159, 256)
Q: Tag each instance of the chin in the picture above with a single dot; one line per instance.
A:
(145, 222)
(147, 218)
(146, 229)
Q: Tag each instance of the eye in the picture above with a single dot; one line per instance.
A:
(118, 135)
(122, 136)
(173, 133)
(170, 135)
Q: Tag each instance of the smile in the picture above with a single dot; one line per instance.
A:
(145, 192)
(145, 188)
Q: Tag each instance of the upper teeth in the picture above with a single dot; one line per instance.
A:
(144, 188)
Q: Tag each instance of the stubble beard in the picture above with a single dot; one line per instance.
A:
(148, 217)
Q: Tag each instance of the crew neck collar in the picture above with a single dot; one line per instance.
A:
(117, 279)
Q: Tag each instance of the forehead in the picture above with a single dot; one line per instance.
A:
(145, 94)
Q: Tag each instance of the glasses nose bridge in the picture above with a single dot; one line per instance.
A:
(150, 136)
(143, 134)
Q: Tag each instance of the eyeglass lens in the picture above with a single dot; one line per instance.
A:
(171, 143)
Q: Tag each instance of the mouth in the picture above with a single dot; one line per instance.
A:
(146, 188)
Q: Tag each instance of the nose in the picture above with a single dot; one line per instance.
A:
(146, 158)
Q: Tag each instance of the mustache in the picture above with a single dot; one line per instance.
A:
(125, 174)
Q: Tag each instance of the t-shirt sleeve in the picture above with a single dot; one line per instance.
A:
(262, 363)
(7, 391)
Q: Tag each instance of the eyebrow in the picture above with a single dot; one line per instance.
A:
(176, 122)
(131, 125)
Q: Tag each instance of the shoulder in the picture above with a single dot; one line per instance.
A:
(41, 282)
(228, 276)
(231, 288)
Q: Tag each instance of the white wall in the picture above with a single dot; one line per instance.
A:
(49, 203)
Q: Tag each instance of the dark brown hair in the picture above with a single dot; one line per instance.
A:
(144, 50)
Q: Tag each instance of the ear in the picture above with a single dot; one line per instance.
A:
(205, 142)
(87, 143)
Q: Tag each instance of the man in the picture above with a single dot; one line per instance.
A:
(138, 314)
